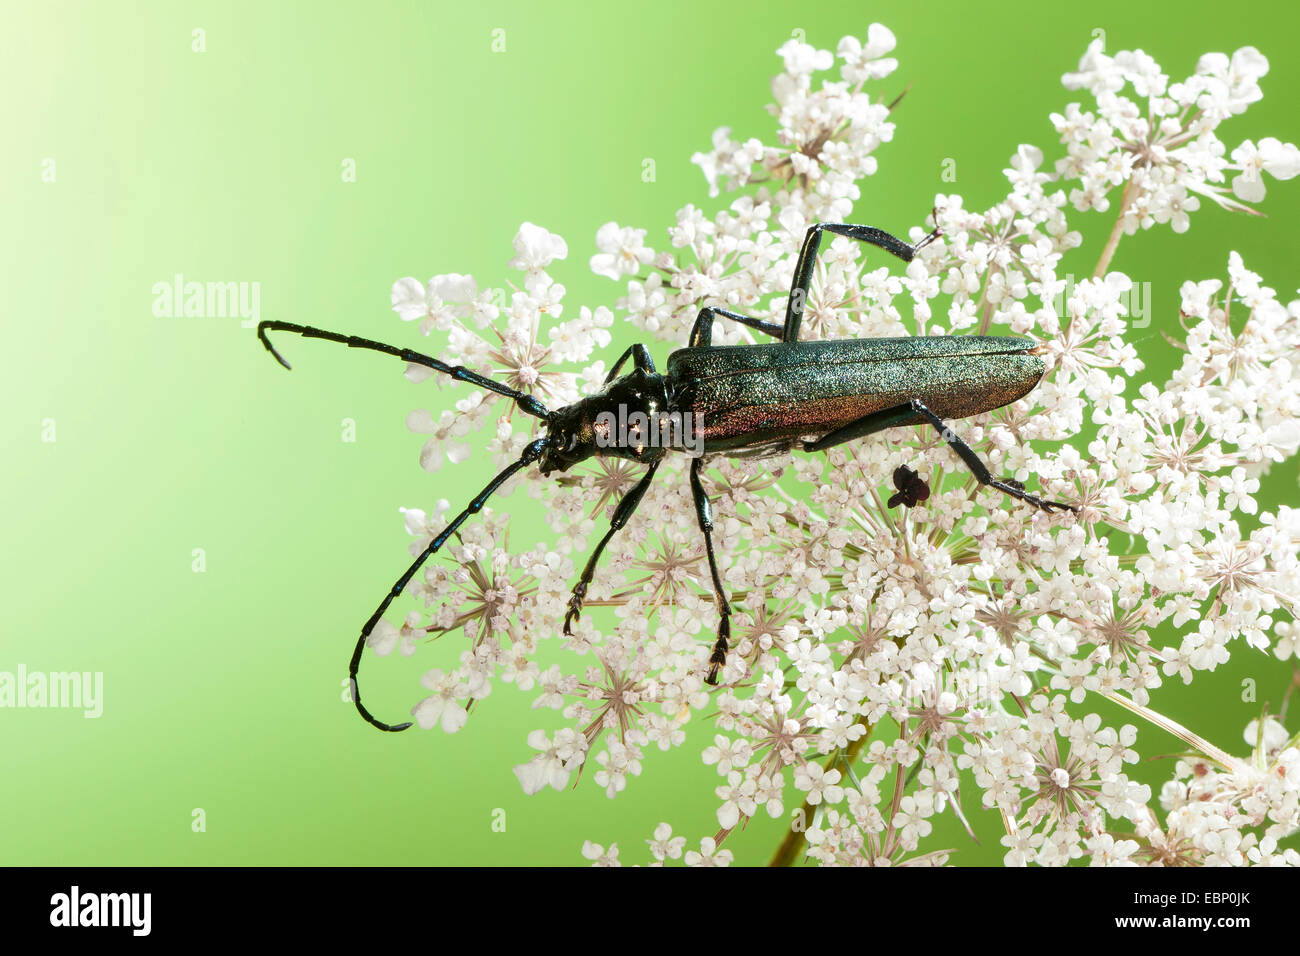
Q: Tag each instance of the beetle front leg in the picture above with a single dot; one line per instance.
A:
(704, 514)
(622, 514)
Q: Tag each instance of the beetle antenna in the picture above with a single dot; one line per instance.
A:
(527, 403)
(532, 452)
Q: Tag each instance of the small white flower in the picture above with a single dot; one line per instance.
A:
(1273, 737)
(622, 251)
(665, 846)
(553, 766)
(537, 249)
(408, 299)
(1280, 160)
(820, 784)
(442, 707)
(599, 855)
(709, 855)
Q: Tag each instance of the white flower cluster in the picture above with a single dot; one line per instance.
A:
(1162, 152)
(1217, 816)
(884, 658)
(827, 137)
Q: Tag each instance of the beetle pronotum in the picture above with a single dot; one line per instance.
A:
(752, 401)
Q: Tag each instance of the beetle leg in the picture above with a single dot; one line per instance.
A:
(531, 453)
(622, 514)
(702, 332)
(640, 359)
(807, 263)
(704, 513)
(916, 412)
(980, 470)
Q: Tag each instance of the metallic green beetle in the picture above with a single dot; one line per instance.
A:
(745, 401)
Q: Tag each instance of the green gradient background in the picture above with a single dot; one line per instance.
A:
(222, 689)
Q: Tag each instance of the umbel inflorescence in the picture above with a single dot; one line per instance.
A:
(893, 664)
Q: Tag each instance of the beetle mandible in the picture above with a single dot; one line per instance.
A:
(752, 401)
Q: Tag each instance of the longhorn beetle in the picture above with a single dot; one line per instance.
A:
(753, 401)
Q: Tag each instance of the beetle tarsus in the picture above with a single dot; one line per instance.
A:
(575, 607)
(622, 514)
(704, 515)
(981, 470)
(1016, 489)
(935, 233)
(718, 659)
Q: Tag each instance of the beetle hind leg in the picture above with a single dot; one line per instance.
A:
(980, 470)
(1016, 489)
(916, 412)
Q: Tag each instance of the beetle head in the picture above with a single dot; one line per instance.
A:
(571, 438)
(606, 424)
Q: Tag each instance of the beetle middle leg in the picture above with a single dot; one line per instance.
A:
(702, 332)
(622, 514)
(916, 412)
(704, 514)
(641, 360)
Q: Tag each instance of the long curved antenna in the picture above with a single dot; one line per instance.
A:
(532, 452)
(527, 403)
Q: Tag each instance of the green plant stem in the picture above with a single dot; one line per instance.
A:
(788, 852)
(1116, 232)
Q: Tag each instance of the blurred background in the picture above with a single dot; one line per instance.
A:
(185, 517)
